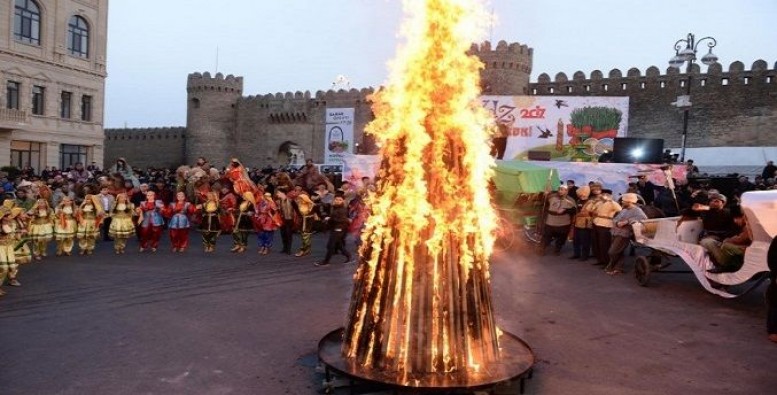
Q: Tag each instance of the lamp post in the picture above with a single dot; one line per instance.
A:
(685, 51)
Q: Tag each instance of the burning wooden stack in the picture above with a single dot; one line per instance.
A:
(421, 301)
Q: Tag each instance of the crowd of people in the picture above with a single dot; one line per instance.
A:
(600, 226)
(82, 205)
(85, 204)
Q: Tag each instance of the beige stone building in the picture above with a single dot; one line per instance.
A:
(53, 69)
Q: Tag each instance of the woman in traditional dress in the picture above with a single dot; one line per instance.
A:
(243, 223)
(241, 183)
(267, 221)
(209, 225)
(41, 228)
(179, 212)
(65, 226)
(90, 215)
(122, 227)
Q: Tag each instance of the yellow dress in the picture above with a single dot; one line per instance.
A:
(65, 224)
(41, 226)
(88, 227)
(121, 224)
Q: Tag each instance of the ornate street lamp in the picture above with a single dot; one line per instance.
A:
(685, 51)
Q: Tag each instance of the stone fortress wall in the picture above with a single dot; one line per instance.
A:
(141, 147)
(737, 107)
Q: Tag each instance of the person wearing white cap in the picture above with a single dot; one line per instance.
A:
(560, 210)
(621, 232)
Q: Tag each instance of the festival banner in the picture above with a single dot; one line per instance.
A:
(338, 137)
(566, 128)
(614, 176)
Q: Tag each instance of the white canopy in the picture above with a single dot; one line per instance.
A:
(748, 161)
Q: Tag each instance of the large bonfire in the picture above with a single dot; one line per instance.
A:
(422, 300)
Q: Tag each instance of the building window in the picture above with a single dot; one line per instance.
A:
(78, 37)
(569, 89)
(26, 22)
(724, 81)
(67, 98)
(38, 100)
(86, 108)
(551, 90)
(69, 155)
(624, 86)
(12, 95)
(26, 154)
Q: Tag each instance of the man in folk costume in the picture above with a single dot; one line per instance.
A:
(305, 207)
(209, 224)
(227, 204)
(90, 216)
(622, 232)
(122, 227)
(244, 224)
(7, 243)
(150, 222)
(65, 226)
(179, 212)
(604, 210)
(560, 210)
(40, 228)
(268, 219)
(288, 214)
(583, 223)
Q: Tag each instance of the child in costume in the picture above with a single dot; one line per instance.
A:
(305, 207)
(89, 217)
(179, 213)
(267, 220)
(243, 223)
(65, 226)
(122, 227)
(22, 249)
(150, 222)
(7, 242)
(209, 226)
(41, 228)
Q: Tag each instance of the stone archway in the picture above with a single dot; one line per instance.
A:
(291, 154)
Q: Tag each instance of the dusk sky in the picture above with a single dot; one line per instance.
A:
(291, 45)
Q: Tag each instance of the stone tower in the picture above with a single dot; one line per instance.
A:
(508, 68)
(211, 117)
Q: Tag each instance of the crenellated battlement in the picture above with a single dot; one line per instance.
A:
(197, 82)
(161, 133)
(758, 75)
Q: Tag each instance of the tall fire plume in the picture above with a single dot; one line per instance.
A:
(421, 301)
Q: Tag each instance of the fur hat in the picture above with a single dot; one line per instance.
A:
(719, 196)
(583, 192)
(630, 197)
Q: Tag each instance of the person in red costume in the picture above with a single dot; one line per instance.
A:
(150, 222)
(179, 214)
(238, 176)
(227, 204)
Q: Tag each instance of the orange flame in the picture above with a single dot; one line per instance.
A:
(421, 300)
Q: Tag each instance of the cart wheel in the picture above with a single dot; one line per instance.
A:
(505, 235)
(655, 261)
(642, 270)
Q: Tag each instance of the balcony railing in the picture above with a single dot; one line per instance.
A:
(10, 116)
